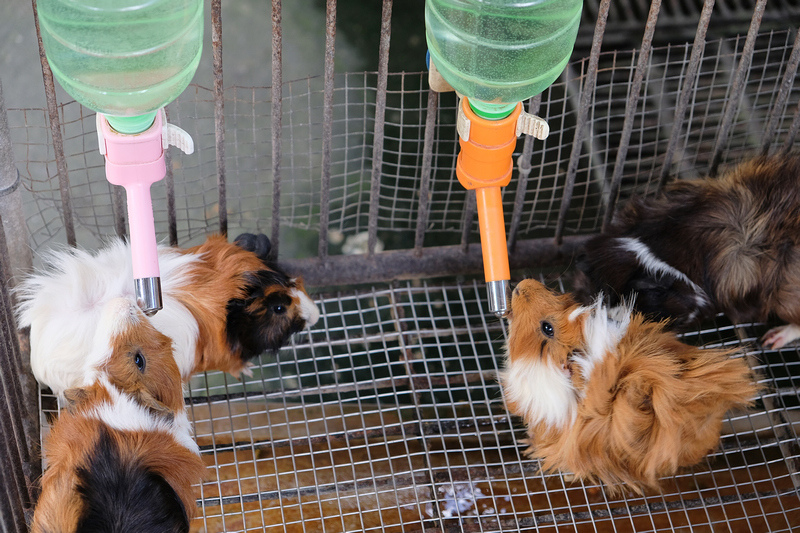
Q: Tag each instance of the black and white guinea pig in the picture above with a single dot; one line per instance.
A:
(121, 457)
(729, 244)
(223, 305)
(611, 397)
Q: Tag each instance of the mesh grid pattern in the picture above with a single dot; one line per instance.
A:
(249, 164)
(387, 416)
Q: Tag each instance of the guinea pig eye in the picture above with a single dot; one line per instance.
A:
(139, 361)
(547, 329)
(279, 309)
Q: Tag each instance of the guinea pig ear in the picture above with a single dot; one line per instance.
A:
(74, 398)
(582, 288)
(149, 402)
(259, 244)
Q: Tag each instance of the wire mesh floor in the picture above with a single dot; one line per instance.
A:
(387, 416)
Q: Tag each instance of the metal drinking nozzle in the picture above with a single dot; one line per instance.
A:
(148, 295)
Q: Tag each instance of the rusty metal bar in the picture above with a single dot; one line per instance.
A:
(11, 506)
(380, 123)
(583, 116)
(630, 110)
(11, 210)
(427, 164)
(524, 166)
(689, 80)
(120, 211)
(792, 133)
(737, 87)
(169, 185)
(783, 94)
(16, 426)
(219, 112)
(468, 219)
(327, 128)
(435, 262)
(55, 132)
(277, 124)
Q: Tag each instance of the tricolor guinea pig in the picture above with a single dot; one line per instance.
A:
(121, 458)
(729, 244)
(223, 305)
(611, 397)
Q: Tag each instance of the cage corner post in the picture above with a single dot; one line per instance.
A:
(19, 466)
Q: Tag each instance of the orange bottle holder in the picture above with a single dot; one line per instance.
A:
(485, 164)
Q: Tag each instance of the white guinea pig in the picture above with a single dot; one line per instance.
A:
(121, 457)
(223, 305)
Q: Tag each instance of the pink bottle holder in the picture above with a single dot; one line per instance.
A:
(136, 162)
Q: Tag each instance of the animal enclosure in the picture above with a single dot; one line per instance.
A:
(387, 415)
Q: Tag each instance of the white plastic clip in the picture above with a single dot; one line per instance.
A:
(462, 123)
(172, 135)
(101, 141)
(532, 125)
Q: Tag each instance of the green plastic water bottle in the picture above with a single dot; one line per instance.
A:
(123, 58)
(500, 52)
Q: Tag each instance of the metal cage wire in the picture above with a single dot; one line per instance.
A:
(387, 415)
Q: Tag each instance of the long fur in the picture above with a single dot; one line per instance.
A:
(121, 457)
(730, 244)
(611, 397)
(220, 303)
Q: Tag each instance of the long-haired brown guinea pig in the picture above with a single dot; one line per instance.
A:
(224, 303)
(729, 244)
(120, 457)
(611, 397)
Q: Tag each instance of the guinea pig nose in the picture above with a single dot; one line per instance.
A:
(516, 290)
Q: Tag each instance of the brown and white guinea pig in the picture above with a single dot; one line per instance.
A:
(121, 458)
(611, 397)
(730, 244)
(223, 305)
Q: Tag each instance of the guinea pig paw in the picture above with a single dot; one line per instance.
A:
(777, 338)
(247, 370)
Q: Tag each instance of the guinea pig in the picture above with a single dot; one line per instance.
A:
(730, 244)
(121, 458)
(611, 397)
(223, 305)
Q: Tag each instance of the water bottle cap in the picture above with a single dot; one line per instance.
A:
(132, 125)
(491, 111)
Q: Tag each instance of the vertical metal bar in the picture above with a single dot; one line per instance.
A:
(737, 87)
(11, 210)
(423, 211)
(219, 112)
(327, 129)
(689, 80)
(582, 119)
(524, 166)
(380, 122)
(792, 133)
(15, 260)
(630, 110)
(10, 505)
(120, 211)
(277, 112)
(783, 94)
(169, 184)
(470, 211)
(55, 132)
(16, 459)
